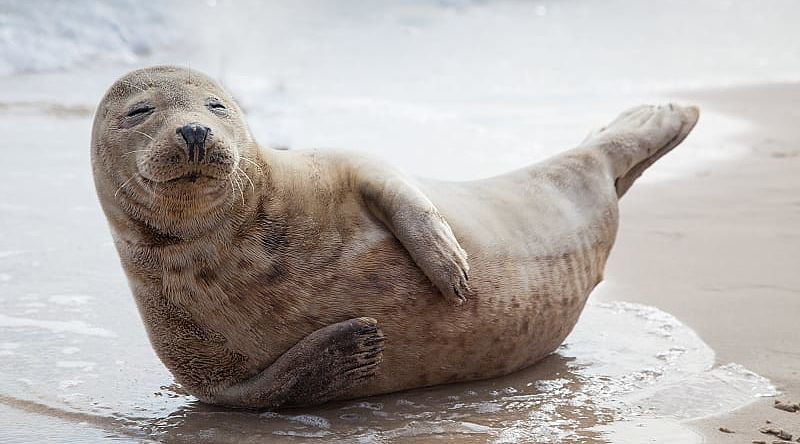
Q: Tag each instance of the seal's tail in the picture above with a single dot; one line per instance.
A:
(639, 137)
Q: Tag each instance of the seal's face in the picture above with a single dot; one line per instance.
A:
(169, 138)
(179, 141)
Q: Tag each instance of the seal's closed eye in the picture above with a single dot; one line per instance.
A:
(215, 105)
(139, 110)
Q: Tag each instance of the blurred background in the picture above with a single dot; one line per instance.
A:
(451, 90)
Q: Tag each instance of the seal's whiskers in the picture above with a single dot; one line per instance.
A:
(246, 176)
(144, 134)
(136, 151)
(250, 161)
(233, 187)
(123, 185)
(239, 183)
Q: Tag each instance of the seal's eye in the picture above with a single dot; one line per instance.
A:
(140, 110)
(216, 106)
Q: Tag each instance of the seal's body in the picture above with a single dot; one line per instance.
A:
(269, 278)
(537, 241)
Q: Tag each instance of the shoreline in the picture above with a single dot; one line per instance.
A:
(720, 250)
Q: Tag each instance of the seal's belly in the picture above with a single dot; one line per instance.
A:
(521, 310)
(533, 264)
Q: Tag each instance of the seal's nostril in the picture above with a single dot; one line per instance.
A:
(193, 133)
(195, 136)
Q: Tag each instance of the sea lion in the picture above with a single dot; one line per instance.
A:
(272, 278)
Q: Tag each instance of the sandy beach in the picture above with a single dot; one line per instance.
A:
(721, 251)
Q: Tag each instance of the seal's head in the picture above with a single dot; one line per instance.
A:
(167, 149)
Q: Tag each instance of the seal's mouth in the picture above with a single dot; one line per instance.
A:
(172, 167)
(197, 176)
(192, 177)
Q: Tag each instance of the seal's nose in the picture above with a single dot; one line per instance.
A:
(195, 136)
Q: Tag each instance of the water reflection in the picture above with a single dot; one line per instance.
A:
(545, 402)
(624, 362)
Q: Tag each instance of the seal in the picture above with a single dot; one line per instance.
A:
(270, 278)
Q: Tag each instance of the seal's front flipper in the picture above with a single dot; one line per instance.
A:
(639, 137)
(417, 224)
(324, 365)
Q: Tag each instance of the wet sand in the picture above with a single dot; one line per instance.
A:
(720, 250)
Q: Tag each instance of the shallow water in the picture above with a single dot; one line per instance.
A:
(624, 366)
(452, 90)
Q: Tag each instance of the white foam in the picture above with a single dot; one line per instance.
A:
(69, 383)
(308, 420)
(10, 253)
(69, 299)
(311, 420)
(72, 326)
(85, 365)
(50, 34)
(302, 434)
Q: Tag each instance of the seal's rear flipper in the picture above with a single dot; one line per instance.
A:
(639, 137)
